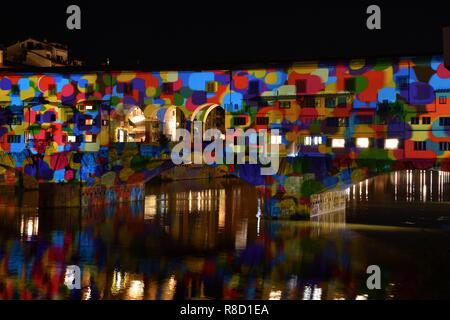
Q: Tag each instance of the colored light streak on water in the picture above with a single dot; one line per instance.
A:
(203, 240)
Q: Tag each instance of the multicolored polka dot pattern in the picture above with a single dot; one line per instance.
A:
(353, 102)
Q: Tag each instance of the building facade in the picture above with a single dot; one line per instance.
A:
(36, 53)
(386, 109)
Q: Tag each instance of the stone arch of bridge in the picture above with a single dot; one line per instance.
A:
(163, 119)
(129, 125)
(211, 115)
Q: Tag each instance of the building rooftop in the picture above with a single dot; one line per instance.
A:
(175, 66)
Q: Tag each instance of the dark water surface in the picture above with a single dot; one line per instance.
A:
(207, 239)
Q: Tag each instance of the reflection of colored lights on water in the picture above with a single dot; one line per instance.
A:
(269, 267)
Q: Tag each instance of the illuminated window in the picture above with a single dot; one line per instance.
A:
(337, 122)
(16, 120)
(342, 122)
(14, 138)
(89, 107)
(444, 146)
(444, 121)
(420, 145)
(285, 104)
(29, 227)
(239, 121)
(362, 143)
(27, 134)
(342, 101)
(104, 123)
(275, 139)
(262, 121)
(121, 135)
(426, 120)
(313, 141)
(90, 138)
(89, 122)
(391, 144)
(71, 139)
(338, 143)
(415, 120)
(330, 102)
(212, 86)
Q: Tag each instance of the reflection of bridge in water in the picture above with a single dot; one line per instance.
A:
(409, 186)
(203, 240)
(409, 197)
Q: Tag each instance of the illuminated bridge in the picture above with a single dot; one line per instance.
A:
(101, 134)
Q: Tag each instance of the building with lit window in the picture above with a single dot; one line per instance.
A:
(37, 53)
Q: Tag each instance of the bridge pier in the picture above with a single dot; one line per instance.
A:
(74, 195)
(102, 195)
(53, 195)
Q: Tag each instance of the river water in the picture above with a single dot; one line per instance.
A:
(208, 240)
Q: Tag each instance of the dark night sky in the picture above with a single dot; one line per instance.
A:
(165, 33)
